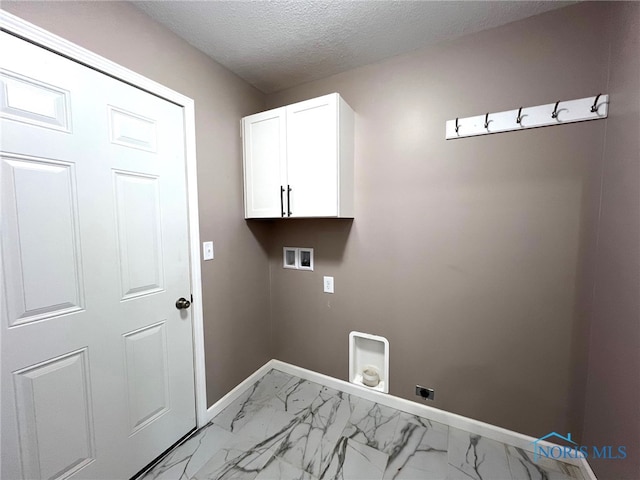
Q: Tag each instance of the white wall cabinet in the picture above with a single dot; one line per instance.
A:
(298, 160)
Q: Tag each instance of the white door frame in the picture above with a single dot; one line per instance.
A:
(12, 24)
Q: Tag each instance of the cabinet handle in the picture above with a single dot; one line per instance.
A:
(281, 201)
(289, 200)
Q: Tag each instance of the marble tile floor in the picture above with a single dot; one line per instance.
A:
(284, 427)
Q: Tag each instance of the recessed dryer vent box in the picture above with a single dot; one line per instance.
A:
(371, 353)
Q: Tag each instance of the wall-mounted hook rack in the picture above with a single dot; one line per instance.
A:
(556, 113)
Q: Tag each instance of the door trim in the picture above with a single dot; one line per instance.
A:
(34, 34)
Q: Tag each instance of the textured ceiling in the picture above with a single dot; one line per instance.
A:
(274, 45)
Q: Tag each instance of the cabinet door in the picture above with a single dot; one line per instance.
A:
(312, 157)
(264, 136)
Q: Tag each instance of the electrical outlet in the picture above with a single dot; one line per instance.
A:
(328, 284)
(425, 393)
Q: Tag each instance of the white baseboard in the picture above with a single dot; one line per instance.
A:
(525, 442)
(230, 397)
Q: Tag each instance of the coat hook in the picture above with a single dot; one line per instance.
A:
(486, 121)
(555, 110)
(519, 118)
(594, 107)
(457, 126)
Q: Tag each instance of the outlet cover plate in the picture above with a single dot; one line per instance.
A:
(328, 284)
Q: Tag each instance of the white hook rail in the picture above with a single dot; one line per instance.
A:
(557, 113)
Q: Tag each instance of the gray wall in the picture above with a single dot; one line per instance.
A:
(463, 253)
(612, 413)
(235, 329)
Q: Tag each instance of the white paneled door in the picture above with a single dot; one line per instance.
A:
(97, 362)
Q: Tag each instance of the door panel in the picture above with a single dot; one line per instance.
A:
(131, 130)
(139, 234)
(95, 234)
(147, 374)
(40, 214)
(28, 100)
(55, 422)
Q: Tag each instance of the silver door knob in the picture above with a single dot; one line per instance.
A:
(182, 303)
